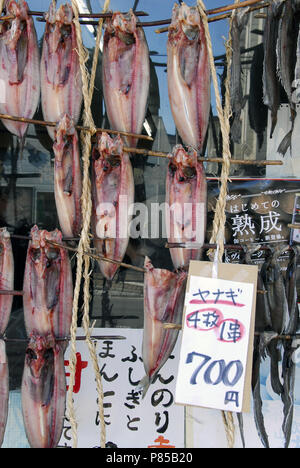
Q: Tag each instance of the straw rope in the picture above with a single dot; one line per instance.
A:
(220, 215)
(84, 243)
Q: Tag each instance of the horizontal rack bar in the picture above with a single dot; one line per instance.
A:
(78, 127)
(141, 151)
(78, 338)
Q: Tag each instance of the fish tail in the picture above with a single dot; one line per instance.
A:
(143, 385)
(274, 123)
(22, 142)
(236, 130)
(285, 143)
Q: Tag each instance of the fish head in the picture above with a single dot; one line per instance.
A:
(187, 20)
(63, 15)
(5, 242)
(107, 155)
(41, 253)
(124, 26)
(64, 134)
(183, 164)
(40, 354)
(18, 9)
(58, 27)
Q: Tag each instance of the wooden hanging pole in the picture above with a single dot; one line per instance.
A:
(141, 151)
(214, 19)
(160, 154)
(98, 257)
(78, 127)
(4, 292)
(81, 15)
(216, 11)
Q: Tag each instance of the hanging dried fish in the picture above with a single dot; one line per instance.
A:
(113, 195)
(189, 75)
(44, 391)
(6, 278)
(67, 178)
(186, 199)
(277, 303)
(288, 364)
(238, 100)
(125, 74)
(163, 303)
(6, 283)
(286, 45)
(262, 324)
(271, 85)
(19, 67)
(48, 288)
(60, 70)
(296, 82)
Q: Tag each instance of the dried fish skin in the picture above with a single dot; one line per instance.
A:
(48, 286)
(163, 303)
(278, 306)
(67, 178)
(6, 278)
(61, 83)
(274, 284)
(43, 391)
(285, 48)
(19, 67)
(188, 75)
(186, 202)
(271, 85)
(125, 74)
(4, 390)
(239, 21)
(112, 195)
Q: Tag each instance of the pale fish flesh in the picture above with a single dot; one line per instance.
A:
(163, 303)
(186, 199)
(188, 75)
(6, 283)
(67, 178)
(43, 391)
(19, 67)
(113, 195)
(125, 74)
(4, 390)
(48, 287)
(60, 70)
(6, 278)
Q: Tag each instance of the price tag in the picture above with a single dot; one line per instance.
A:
(217, 342)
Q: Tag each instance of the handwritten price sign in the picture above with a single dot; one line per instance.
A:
(214, 354)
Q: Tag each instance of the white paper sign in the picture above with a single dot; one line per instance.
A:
(215, 342)
(130, 420)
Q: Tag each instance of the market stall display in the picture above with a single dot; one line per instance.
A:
(97, 178)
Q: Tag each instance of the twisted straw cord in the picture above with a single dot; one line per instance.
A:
(220, 216)
(84, 243)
